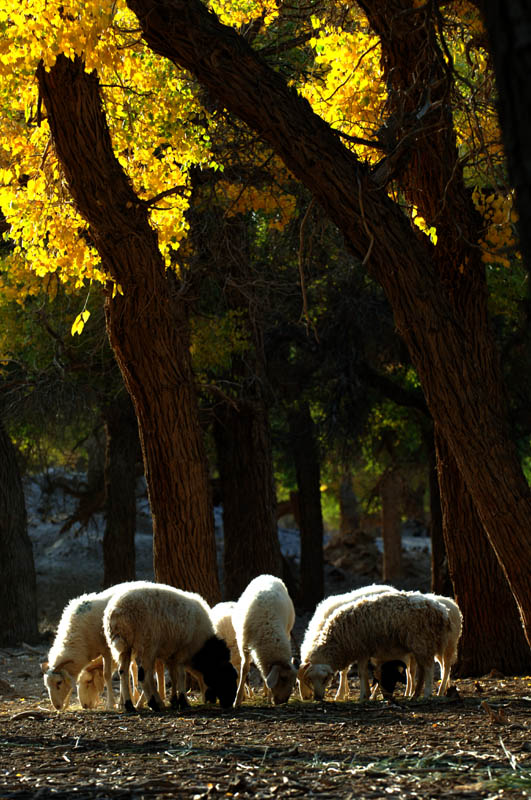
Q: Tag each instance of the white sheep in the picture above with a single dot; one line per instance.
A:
(79, 640)
(90, 683)
(447, 655)
(322, 612)
(263, 619)
(155, 621)
(383, 626)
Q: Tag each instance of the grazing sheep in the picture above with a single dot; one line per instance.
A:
(446, 656)
(79, 640)
(383, 626)
(221, 616)
(90, 683)
(323, 611)
(263, 618)
(154, 621)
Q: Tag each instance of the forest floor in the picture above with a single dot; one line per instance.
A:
(476, 743)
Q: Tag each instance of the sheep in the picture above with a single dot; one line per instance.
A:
(389, 673)
(221, 616)
(446, 656)
(79, 640)
(158, 621)
(263, 618)
(90, 683)
(323, 611)
(383, 626)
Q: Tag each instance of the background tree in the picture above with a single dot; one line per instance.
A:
(17, 585)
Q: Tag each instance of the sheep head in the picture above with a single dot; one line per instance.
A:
(313, 679)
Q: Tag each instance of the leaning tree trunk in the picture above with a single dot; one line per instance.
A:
(490, 638)
(18, 592)
(440, 576)
(431, 176)
(305, 451)
(122, 453)
(251, 545)
(148, 329)
(455, 356)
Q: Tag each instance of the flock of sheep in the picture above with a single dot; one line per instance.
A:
(141, 628)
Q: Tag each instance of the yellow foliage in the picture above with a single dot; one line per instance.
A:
(147, 104)
(79, 322)
(499, 239)
(346, 88)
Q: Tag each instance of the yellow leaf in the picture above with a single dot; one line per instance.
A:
(79, 322)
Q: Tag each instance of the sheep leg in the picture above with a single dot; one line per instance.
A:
(445, 674)
(124, 664)
(161, 683)
(108, 668)
(178, 686)
(419, 679)
(428, 680)
(342, 689)
(147, 681)
(244, 671)
(411, 672)
(363, 671)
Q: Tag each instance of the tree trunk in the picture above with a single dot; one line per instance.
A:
(18, 592)
(508, 23)
(122, 453)
(433, 182)
(305, 453)
(391, 495)
(455, 356)
(440, 576)
(251, 545)
(148, 329)
(349, 517)
(492, 637)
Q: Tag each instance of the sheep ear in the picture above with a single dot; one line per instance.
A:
(303, 669)
(94, 667)
(44, 666)
(62, 665)
(272, 678)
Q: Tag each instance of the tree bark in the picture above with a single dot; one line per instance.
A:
(490, 638)
(508, 24)
(391, 496)
(455, 356)
(148, 329)
(440, 576)
(18, 591)
(122, 452)
(251, 545)
(305, 453)
(431, 176)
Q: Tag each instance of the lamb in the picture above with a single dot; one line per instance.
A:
(384, 626)
(323, 611)
(263, 619)
(79, 640)
(155, 621)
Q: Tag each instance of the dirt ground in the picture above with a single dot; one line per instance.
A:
(475, 743)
